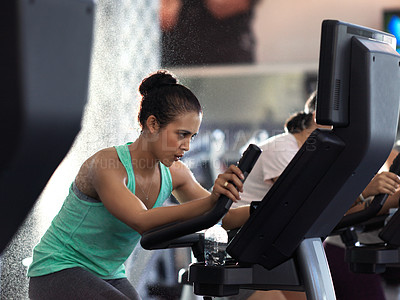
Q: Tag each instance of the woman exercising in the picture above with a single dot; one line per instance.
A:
(117, 194)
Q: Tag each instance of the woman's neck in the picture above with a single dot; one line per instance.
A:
(143, 159)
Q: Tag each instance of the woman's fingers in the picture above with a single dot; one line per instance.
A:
(230, 183)
(226, 185)
(234, 176)
(234, 169)
(382, 183)
(389, 182)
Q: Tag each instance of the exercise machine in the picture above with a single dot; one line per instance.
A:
(280, 246)
(372, 257)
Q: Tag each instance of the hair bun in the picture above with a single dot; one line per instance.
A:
(156, 80)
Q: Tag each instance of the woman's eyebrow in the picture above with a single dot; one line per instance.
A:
(187, 131)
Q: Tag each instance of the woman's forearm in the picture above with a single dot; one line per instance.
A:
(236, 217)
(159, 216)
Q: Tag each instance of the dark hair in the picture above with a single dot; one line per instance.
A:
(303, 119)
(165, 98)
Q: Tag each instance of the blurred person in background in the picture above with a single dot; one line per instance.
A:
(205, 32)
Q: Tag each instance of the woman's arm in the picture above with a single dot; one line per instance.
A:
(186, 188)
(236, 217)
(128, 208)
(110, 185)
(382, 183)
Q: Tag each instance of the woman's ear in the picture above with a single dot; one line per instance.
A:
(152, 124)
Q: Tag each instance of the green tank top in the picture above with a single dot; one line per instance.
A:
(85, 234)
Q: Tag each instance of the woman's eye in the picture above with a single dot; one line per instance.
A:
(185, 135)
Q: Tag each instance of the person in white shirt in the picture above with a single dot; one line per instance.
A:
(278, 151)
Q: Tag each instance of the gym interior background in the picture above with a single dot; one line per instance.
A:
(126, 47)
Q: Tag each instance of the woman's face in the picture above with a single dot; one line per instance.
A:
(174, 139)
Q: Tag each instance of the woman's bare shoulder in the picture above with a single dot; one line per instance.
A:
(102, 159)
(180, 173)
(179, 168)
(105, 159)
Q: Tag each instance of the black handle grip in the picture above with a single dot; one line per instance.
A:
(375, 206)
(161, 237)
